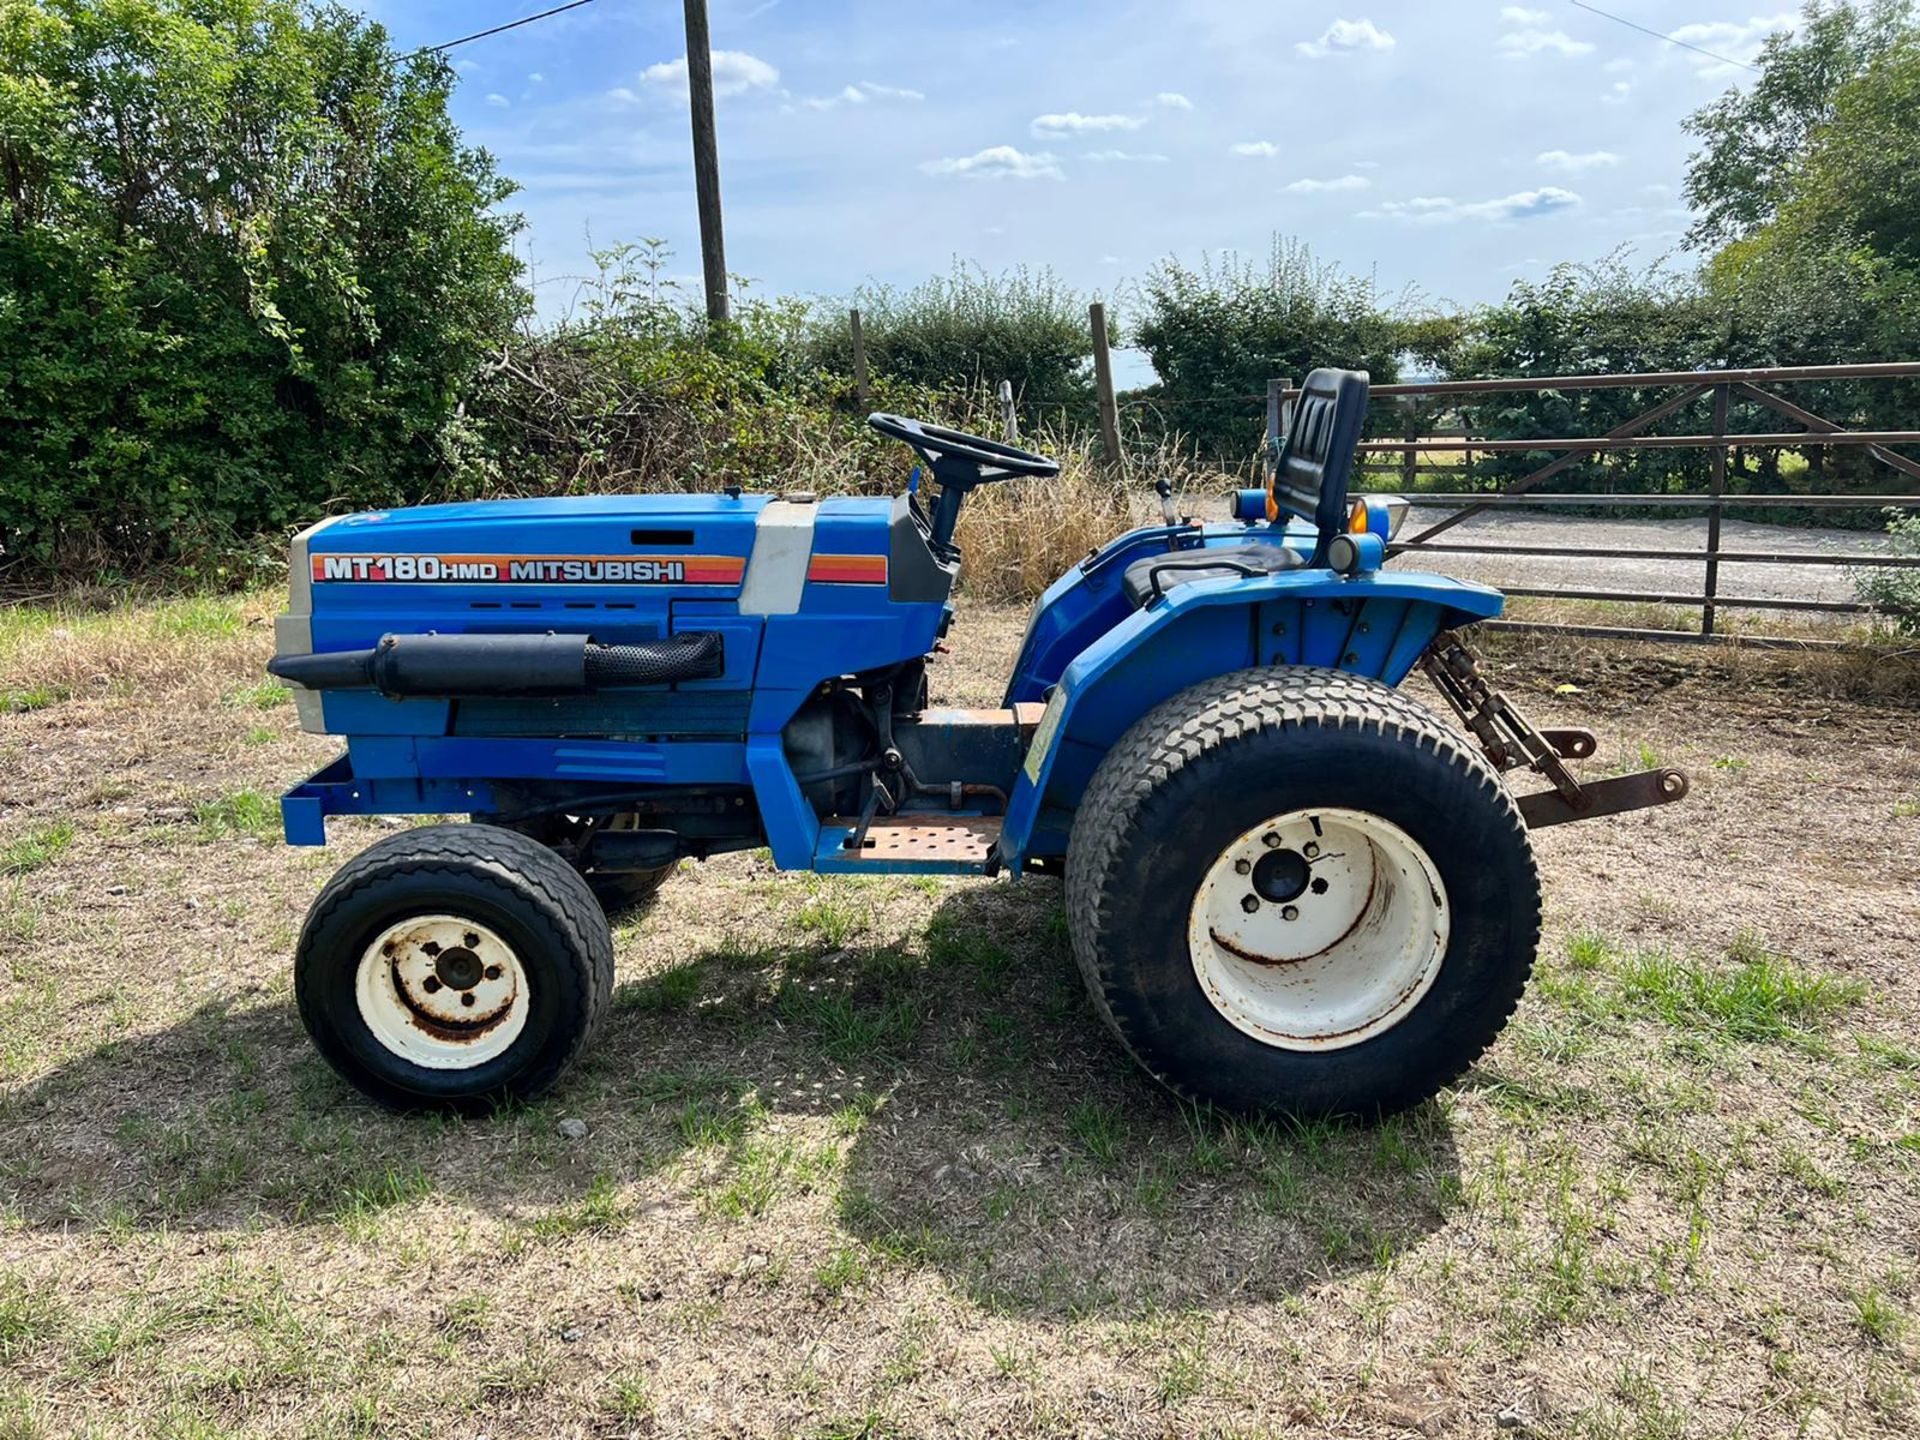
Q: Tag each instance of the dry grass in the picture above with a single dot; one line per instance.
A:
(860, 1161)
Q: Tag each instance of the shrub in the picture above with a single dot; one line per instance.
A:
(1895, 591)
(246, 267)
(1218, 333)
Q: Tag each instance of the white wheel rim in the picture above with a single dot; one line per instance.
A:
(1319, 929)
(442, 991)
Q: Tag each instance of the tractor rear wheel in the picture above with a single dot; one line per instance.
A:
(1299, 890)
(453, 964)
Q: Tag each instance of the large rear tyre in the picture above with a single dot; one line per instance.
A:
(1297, 890)
(453, 965)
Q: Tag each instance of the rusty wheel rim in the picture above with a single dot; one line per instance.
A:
(442, 991)
(1319, 929)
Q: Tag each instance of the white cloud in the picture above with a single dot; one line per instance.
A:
(1618, 93)
(998, 162)
(1442, 210)
(1124, 157)
(734, 73)
(1518, 44)
(1735, 39)
(1259, 149)
(1173, 100)
(1342, 182)
(891, 92)
(1344, 37)
(1058, 127)
(1569, 163)
(499, 102)
(1528, 34)
(536, 78)
(860, 94)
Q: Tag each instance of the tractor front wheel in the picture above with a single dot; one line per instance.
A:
(1298, 890)
(453, 964)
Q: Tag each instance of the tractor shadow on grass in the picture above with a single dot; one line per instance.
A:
(953, 1096)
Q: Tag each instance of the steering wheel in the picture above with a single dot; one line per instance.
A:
(936, 443)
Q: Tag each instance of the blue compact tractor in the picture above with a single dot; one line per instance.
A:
(1288, 885)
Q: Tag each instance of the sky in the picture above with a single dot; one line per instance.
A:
(1449, 147)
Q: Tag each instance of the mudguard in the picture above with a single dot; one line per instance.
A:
(1375, 625)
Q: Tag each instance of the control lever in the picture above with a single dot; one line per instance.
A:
(1163, 487)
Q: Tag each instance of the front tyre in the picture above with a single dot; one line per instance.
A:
(453, 964)
(1298, 890)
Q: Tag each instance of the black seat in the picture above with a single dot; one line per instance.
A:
(1182, 566)
(1310, 482)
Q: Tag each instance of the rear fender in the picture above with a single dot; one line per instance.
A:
(1375, 625)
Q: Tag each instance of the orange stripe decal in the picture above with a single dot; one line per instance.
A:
(848, 570)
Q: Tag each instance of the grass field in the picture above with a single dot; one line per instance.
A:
(858, 1160)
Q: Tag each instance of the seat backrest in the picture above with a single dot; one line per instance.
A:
(1316, 461)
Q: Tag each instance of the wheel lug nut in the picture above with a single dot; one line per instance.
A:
(1310, 850)
(493, 972)
(430, 984)
(1290, 912)
(1271, 840)
(1250, 904)
(1243, 867)
(466, 997)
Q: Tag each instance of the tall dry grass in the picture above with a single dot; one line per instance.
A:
(1017, 537)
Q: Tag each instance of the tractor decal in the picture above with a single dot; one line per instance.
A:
(848, 570)
(533, 569)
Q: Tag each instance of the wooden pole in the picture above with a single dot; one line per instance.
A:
(1717, 487)
(860, 390)
(1103, 383)
(1009, 418)
(706, 158)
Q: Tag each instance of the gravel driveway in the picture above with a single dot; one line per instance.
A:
(1497, 527)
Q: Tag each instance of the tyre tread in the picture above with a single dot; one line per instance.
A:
(1184, 729)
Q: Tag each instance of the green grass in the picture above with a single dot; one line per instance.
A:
(203, 618)
(1589, 950)
(32, 697)
(244, 812)
(39, 846)
(600, 1211)
(261, 695)
(834, 918)
(1877, 1316)
(1762, 996)
(30, 1316)
(1100, 1128)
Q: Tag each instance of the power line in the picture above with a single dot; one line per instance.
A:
(1683, 44)
(510, 25)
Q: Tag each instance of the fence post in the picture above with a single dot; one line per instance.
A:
(1009, 421)
(1279, 413)
(859, 359)
(1103, 382)
(1409, 464)
(1718, 489)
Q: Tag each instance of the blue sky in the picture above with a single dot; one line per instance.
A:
(1447, 146)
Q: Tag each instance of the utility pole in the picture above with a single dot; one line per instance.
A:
(706, 158)
(1103, 384)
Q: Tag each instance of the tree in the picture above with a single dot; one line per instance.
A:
(248, 268)
(1859, 181)
(1218, 333)
(1752, 138)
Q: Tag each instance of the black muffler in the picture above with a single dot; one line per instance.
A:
(459, 665)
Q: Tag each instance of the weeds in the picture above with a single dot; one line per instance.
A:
(1763, 997)
(39, 846)
(245, 812)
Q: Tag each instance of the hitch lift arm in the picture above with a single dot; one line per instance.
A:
(1511, 741)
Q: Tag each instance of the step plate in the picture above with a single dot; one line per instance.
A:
(941, 845)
